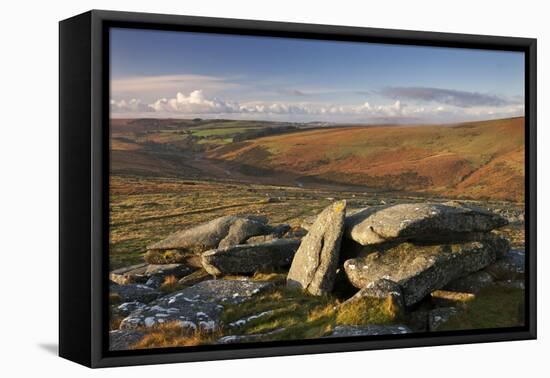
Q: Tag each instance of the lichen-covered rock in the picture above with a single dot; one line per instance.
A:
(123, 339)
(227, 230)
(126, 308)
(314, 266)
(241, 230)
(276, 232)
(250, 258)
(472, 283)
(308, 221)
(128, 274)
(262, 239)
(369, 330)
(379, 302)
(420, 222)
(226, 291)
(134, 292)
(421, 269)
(144, 272)
(510, 267)
(198, 307)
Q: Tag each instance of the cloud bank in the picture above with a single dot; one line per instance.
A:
(461, 99)
(428, 104)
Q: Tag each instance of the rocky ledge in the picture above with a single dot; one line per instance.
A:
(415, 261)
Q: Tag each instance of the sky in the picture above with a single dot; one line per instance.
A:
(167, 74)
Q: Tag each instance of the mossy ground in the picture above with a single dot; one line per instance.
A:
(369, 311)
(295, 315)
(493, 307)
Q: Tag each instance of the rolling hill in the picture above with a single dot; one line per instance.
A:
(482, 160)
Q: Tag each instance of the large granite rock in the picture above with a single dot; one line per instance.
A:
(242, 229)
(472, 283)
(123, 339)
(250, 258)
(142, 273)
(198, 307)
(276, 232)
(134, 292)
(224, 231)
(421, 269)
(420, 222)
(369, 330)
(314, 266)
(308, 221)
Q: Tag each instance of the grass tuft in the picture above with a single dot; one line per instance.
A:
(170, 284)
(172, 335)
(369, 311)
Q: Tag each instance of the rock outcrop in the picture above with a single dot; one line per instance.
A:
(420, 222)
(223, 231)
(250, 258)
(198, 307)
(314, 266)
(421, 269)
(418, 264)
(142, 273)
(276, 232)
(134, 292)
(472, 283)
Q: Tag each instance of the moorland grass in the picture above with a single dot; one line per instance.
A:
(493, 307)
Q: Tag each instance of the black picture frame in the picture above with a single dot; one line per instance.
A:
(84, 197)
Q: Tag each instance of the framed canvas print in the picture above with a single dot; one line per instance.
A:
(233, 188)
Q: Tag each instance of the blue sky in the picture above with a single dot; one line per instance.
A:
(180, 74)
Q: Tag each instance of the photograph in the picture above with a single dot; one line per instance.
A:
(272, 189)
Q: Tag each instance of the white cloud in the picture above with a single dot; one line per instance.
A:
(197, 103)
(194, 103)
(130, 106)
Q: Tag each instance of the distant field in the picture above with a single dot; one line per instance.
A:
(477, 160)
(219, 132)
